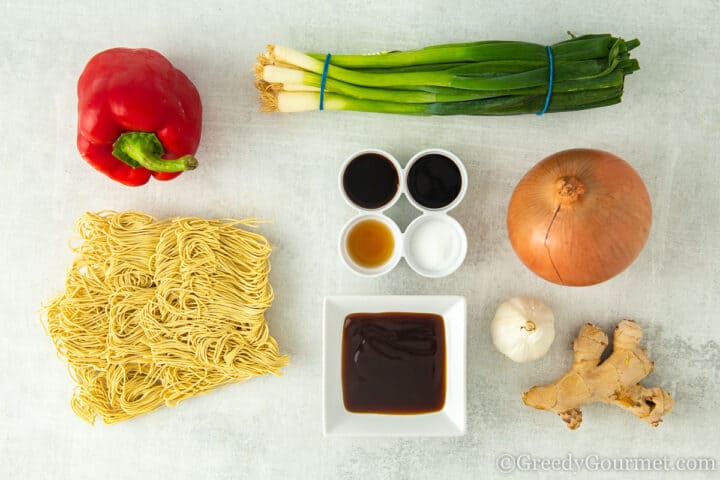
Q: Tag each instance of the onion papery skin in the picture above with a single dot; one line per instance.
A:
(579, 217)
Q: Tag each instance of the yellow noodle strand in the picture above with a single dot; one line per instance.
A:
(155, 312)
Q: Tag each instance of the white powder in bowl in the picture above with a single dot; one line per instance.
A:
(435, 245)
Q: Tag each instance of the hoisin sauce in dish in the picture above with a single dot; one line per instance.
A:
(393, 363)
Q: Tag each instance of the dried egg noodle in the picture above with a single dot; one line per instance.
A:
(155, 312)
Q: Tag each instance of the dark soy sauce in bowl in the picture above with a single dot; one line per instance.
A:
(370, 180)
(434, 181)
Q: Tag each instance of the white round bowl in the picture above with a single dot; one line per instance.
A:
(385, 267)
(460, 238)
(463, 179)
(398, 170)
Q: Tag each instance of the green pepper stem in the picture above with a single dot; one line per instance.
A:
(145, 150)
(157, 164)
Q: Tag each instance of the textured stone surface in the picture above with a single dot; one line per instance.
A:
(284, 168)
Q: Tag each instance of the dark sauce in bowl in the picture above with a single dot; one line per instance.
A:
(370, 180)
(434, 181)
(393, 363)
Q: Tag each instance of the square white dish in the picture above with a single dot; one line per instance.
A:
(450, 421)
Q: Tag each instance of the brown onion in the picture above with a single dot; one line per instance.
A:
(579, 217)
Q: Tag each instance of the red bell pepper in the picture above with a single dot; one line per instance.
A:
(137, 116)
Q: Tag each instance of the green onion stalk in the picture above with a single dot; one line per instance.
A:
(477, 78)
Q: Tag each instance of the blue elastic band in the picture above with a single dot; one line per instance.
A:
(550, 82)
(323, 80)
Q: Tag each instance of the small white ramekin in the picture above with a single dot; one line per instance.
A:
(385, 267)
(417, 265)
(463, 179)
(398, 170)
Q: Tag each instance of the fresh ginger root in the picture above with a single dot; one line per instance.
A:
(616, 380)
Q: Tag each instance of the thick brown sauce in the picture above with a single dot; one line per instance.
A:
(393, 363)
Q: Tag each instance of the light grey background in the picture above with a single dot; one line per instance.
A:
(284, 168)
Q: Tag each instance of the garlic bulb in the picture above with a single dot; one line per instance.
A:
(523, 329)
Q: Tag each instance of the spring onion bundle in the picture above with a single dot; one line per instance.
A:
(478, 78)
